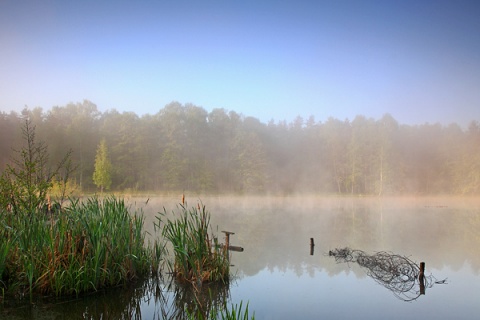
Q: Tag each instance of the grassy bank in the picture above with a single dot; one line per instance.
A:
(100, 243)
(85, 247)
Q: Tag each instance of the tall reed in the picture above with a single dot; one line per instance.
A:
(88, 246)
(235, 312)
(197, 256)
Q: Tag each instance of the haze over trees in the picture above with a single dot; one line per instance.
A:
(184, 147)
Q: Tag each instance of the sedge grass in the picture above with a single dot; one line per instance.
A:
(235, 312)
(89, 245)
(197, 256)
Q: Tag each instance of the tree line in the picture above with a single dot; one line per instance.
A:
(184, 147)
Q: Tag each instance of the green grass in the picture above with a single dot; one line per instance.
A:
(235, 312)
(198, 257)
(88, 246)
(99, 243)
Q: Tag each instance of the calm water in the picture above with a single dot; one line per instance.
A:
(281, 279)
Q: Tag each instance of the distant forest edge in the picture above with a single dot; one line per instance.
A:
(184, 147)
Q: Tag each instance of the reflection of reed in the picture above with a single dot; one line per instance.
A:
(397, 273)
(168, 300)
(177, 301)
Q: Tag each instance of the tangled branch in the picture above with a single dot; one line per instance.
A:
(397, 273)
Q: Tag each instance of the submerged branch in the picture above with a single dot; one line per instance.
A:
(397, 273)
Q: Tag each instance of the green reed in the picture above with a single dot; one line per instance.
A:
(87, 246)
(197, 256)
(235, 312)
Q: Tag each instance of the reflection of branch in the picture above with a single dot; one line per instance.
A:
(396, 273)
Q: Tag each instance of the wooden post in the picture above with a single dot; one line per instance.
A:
(227, 241)
(421, 277)
(312, 246)
(227, 237)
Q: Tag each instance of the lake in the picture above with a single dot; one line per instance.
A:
(281, 278)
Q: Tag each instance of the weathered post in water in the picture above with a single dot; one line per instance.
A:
(421, 277)
(227, 238)
(227, 242)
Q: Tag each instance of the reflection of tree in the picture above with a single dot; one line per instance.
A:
(396, 273)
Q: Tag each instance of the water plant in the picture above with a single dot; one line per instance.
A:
(83, 247)
(210, 301)
(235, 312)
(197, 256)
(89, 245)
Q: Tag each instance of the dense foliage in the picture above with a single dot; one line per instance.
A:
(184, 147)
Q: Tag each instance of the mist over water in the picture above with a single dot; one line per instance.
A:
(280, 278)
(275, 231)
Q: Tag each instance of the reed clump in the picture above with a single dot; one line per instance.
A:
(235, 312)
(197, 256)
(86, 246)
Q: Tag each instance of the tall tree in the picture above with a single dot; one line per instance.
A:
(387, 128)
(185, 147)
(337, 134)
(25, 184)
(250, 162)
(102, 175)
(75, 126)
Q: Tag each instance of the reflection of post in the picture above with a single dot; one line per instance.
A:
(421, 277)
(312, 246)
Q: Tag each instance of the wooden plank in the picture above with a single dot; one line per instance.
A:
(235, 248)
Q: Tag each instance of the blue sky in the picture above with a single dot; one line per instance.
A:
(417, 60)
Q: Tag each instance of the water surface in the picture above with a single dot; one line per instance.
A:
(280, 278)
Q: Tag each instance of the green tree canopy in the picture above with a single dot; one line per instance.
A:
(184, 147)
(102, 176)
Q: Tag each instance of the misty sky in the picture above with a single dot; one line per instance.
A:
(417, 60)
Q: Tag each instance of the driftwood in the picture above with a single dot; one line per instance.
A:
(397, 273)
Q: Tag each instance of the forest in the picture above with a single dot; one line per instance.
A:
(186, 148)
